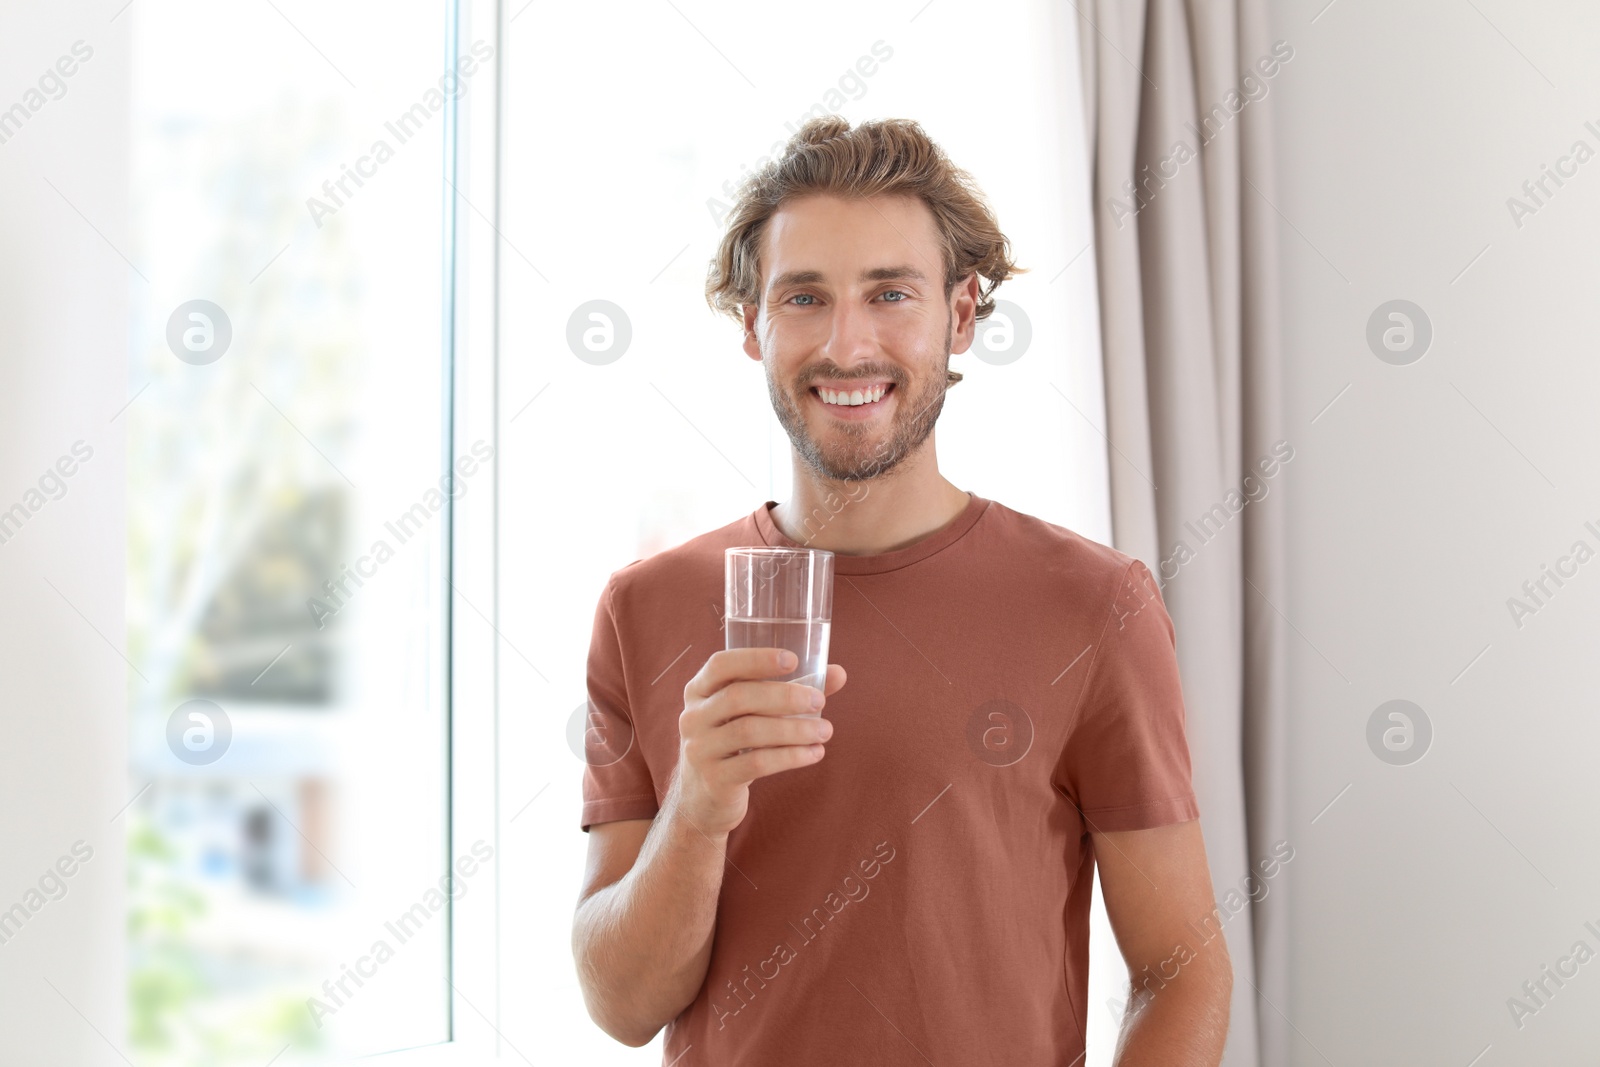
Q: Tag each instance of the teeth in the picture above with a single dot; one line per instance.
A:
(854, 398)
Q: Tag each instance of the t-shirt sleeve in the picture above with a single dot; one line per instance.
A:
(1126, 761)
(616, 778)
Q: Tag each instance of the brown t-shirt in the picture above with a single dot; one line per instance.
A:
(920, 895)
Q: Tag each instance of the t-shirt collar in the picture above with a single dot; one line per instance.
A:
(939, 539)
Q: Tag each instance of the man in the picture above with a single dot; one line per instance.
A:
(919, 894)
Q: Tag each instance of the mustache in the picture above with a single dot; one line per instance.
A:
(894, 375)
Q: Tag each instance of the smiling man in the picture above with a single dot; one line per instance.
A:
(906, 879)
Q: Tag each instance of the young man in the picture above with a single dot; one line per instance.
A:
(919, 894)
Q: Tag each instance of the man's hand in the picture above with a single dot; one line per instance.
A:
(733, 730)
(1158, 892)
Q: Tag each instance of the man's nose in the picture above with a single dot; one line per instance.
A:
(851, 334)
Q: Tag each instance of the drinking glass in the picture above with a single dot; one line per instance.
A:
(782, 598)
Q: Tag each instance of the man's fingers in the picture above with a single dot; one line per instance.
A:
(757, 698)
(731, 664)
(761, 731)
(708, 749)
(836, 679)
(760, 762)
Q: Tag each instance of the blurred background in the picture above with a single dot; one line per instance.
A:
(287, 435)
(347, 349)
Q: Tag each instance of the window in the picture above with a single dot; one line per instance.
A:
(295, 468)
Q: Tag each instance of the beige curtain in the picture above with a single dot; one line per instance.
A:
(1188, 302)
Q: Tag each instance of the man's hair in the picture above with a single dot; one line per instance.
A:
(885, 157)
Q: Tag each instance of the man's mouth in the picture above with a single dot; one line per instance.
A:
(850, 395)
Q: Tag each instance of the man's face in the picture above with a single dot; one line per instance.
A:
(853, 306)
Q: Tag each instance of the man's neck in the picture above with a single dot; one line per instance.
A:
(870, 517)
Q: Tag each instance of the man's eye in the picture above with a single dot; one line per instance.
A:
(899, 295)
(802, 297)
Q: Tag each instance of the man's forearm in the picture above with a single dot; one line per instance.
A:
(1185, 1024)
(643, 943)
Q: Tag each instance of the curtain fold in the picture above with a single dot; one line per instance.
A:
(1181, 159)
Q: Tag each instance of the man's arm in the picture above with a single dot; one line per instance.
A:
(1156, 884)
(647, 912)
(645, 919)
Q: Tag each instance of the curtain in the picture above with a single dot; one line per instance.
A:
(1179, 127)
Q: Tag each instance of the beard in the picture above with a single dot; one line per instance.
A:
(857, 452)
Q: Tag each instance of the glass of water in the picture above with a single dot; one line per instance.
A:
(782, 598)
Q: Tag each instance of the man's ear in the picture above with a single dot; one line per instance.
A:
(752, 344)
(963, 313)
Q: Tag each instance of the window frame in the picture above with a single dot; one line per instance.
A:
(470, 283)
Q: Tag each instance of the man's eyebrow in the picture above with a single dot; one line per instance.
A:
(795, 277)
(874, 274)
(893, 274)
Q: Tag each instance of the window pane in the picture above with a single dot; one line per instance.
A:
(288, 531)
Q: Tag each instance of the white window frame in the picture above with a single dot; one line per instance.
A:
(472, 199)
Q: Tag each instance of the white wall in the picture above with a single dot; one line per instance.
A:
(63, 354)
(1421, 500)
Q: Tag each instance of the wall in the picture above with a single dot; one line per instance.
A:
(63, 354)
(1424, 493)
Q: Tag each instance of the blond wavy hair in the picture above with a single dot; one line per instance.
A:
(885, 157)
